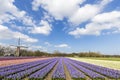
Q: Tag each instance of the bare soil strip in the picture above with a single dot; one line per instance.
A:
(67, 74)
(49, 75)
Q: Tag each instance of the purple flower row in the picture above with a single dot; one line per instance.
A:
(88, 72)
(59, 71)
(40, 74)
(75, 74)
(102, 70)
(27, 72)
(23, 70)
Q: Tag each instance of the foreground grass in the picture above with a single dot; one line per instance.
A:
(105, 62)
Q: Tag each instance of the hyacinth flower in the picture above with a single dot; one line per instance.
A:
(111, 73)
(26, 70)
(40, 74)
(75, 74)
(59, 73)
(90, 73)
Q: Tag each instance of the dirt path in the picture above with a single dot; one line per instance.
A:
(49, 75)
(67, 74)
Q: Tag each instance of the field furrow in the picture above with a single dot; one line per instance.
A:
(67, 74)
(49, 76)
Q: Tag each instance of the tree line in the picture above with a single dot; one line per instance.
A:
(7, 51)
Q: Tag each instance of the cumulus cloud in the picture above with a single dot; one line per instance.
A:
(84, 13)
(58, 8)
(109, 21)
(44, 28)
(107, 17)
(87, 12)
(6, 33)
(74, 12)
(62, 46)
(9, 12)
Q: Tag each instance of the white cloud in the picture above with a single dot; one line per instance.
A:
(37, 47)
(109, 21)
(70, 9)
(33, 47)
(44, 28)
(6, 18)
(87, 12)
(104, 2)
(9, 11)
(84, 13)
(47, 17)
(58, 8)
(107, 17)
(47, 43)
(19, 28)
(62, 46)
(6, 33)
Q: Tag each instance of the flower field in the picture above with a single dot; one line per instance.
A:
(55, 69)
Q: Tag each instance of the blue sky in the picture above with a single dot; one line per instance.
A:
(64, 25)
